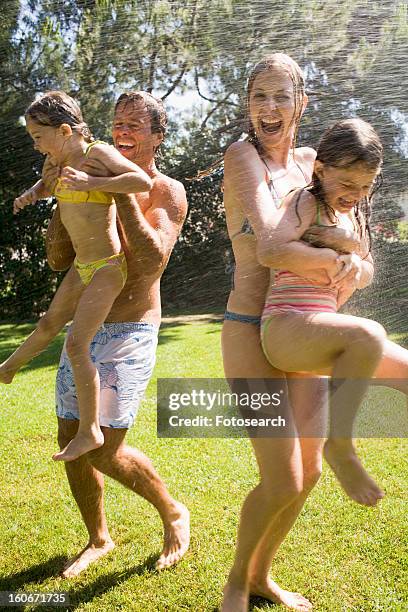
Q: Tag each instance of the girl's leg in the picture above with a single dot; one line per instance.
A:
(61, 310)
(351, 347)
(393, 367)
(281, 473)
(92, 310)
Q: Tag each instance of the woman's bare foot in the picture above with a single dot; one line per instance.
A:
(91, 553)
(342, 458)
(176, 538)
(236, 598)
(268, 589)
(6, 374)
(81, 444)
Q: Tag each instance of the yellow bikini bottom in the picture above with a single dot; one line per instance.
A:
(86, 271)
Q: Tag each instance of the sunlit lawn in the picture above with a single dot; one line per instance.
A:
(339, 555)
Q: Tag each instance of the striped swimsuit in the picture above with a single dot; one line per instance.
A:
(293, 293)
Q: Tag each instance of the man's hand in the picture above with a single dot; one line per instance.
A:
(28, 197)
(50, 173)
(76, 180)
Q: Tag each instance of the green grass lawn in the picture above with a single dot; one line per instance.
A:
(339, 555)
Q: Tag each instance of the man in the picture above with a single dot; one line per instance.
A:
(124, 349)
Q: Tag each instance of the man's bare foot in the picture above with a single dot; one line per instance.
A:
(6, 375)
(176, 538)
(352, 476)
(268, 589)
(236, 598)
(88, 555)
(81, 444)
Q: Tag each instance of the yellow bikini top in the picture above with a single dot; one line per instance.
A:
(79, 197)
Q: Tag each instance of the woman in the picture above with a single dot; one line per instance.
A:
(259, 173)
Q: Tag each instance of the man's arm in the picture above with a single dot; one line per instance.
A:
(121, 175)
(60, 252)
(150, 236)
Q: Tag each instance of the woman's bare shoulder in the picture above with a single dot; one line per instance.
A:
(240, 150)
(242, 159)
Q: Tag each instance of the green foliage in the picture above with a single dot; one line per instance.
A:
(353, 55)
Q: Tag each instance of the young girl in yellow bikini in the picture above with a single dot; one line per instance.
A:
(301, 328)
(86, 294)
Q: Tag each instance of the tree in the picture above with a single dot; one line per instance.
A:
(94, 49)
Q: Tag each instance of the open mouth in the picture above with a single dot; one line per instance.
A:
(271, 126)
(124, 147)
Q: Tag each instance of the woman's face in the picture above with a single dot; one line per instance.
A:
(272, 107)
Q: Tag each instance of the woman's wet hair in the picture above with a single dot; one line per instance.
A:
(154, 106)
(344, 144)
(274, 61)
(279, 61)
(54, 108)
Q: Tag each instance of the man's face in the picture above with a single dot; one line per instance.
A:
(132, 131)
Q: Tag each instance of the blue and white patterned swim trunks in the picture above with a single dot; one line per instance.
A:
(124, 355)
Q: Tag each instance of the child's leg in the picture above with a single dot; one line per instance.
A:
(393, 367)
(61, 310)
(92, 310)
(349, 348)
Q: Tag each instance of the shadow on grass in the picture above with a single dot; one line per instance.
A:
(36, 573)
(168, 334)
(106, 582)
(260, 603)
(77, 596)
(49, 357)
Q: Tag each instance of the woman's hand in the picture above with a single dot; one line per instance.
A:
(76, 180)
(350, 272)
(344, 294)
(327, 268)
(332, 237)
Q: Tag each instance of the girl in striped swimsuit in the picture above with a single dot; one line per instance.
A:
(301, 328)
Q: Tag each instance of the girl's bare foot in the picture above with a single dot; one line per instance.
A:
(91, 553)
(351, 474)
(81, 444)
(268, 589)
(176, 538)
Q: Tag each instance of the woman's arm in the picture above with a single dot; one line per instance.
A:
(278, 232)
(122, 175)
